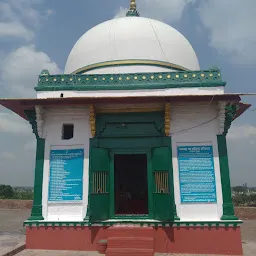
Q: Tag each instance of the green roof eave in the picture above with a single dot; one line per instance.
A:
(165, 80)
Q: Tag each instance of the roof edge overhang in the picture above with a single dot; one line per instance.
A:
(18, 106)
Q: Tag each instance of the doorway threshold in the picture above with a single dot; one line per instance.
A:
(128, 220)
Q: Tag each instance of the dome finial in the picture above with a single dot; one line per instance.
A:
(133, 9)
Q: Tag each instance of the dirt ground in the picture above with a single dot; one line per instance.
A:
(246, 213)
(15, 204)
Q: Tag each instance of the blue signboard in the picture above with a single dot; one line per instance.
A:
(197, 175)
(66, 175)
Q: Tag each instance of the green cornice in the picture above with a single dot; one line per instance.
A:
(210, 224)
(181, 79)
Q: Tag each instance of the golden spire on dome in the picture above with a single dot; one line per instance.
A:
(133, 5)
(133, 9)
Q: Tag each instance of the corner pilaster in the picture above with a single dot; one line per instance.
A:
(226, 116)
(228, 207)
(36, 212)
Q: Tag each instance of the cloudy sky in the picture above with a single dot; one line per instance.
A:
(39, 34)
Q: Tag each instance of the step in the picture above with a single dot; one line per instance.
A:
(131, 242)
(129, 252)
(130, 232)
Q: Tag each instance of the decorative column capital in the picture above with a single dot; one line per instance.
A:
(92, 120)
(40, 117)
(230, 114)
(222, 116)
(167, 119)
(226, 113)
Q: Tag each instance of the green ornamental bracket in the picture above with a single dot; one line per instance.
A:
(231, 111)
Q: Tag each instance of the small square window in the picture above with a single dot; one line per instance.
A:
(67, 131)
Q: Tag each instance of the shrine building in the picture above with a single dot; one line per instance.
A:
(131, 152)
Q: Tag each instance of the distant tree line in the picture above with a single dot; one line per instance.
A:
(8, 192)
(244, 196)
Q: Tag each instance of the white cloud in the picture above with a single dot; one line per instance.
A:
(231, 28)
(242, 132)
(21, 68)
(121, 12)
(14, 29)
(164, 10)
(30, 146)
(21, 18)
(12, 123)
(241, 142)
(7, 156)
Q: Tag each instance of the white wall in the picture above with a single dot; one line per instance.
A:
(54, 119)
(185, 116)
(134, 93)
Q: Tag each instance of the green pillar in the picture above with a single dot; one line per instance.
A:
(228, 208)
(36, 213)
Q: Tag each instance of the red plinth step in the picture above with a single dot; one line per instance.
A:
(130, 241)
(131, 232)
(129, 252)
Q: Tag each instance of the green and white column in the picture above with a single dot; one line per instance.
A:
(36, 212)
(228, 207)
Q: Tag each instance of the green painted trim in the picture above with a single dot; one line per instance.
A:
(132, 13)
(209, 224)
(112, 186)
(136, 145)
(36, 212)
(228, 208)
(108, 124)
(182, 79)
(150, 182)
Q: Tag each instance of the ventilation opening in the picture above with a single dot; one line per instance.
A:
(67, 131)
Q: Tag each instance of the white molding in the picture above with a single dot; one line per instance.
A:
(40, 114)
(133, 93)
(222, 116)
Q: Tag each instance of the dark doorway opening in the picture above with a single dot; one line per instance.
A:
(131, 185)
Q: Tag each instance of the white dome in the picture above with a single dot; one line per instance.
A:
(131, 45)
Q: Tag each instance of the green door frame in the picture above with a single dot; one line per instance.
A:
(112, 182)
(135, 145)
